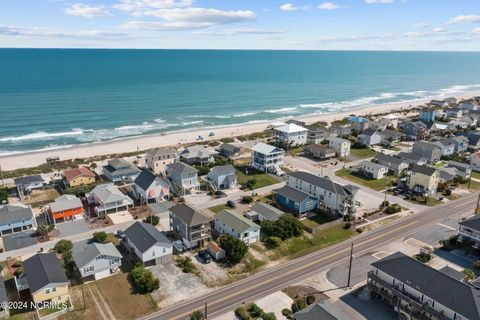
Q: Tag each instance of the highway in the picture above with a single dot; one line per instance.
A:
(268, 281)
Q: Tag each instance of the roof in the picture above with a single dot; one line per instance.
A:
(118, 163)
(27, 180)
(411, 157)
(455, 274)
(388, 159)
(369, 132)
(229, 147)
(188, 215)
(473, 137)
(65, 202)
(426, 170)
(460, 297)
(85, 251)
(314, 312)
(145, 179)
(212, 245)
(120, 167)
(291, 193)
(425, 145)
(223, 170)
(320, 182)
(196, 151)
(235, 220)
(267, 211)
(181, 168)
(291, 128)
(358, 119)
(107, 193)
(373, 165)
(471, 223)
(319, 148)
(266, 148)
(78, 172)
(43, 269)
(387, 133)
(10, 213)
(161, 152)
(144, 236)
(418, 124)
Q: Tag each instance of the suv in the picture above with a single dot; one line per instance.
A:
(205, 256)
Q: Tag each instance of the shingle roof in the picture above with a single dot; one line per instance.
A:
(455, 295)
(319, 148)
(109, 193)
(163, 151)
(229, 147)
(267, 211)
(11, 213)
(196, 151)
(188, 215)
(65, 202)
(369, 132)
(314, 312)
(266, 148)
(471, 223)
(224, 170)
(291, 128)
(119, 163)
(144, 236)
(43, 269)
(145, 179)
(27, 180)
(388, 159)
(291, 193)
(85, 251)
(235, 220)
(77, 172)
(320, 182)
(426, 170)
(181, 168)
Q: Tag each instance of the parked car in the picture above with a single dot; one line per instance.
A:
(231, 204)
(178, 246)
(205, 256)
(121, 234)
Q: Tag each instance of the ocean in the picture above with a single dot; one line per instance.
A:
(54, 98)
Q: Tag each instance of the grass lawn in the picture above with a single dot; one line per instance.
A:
(83, 304)
(262, 179)
(431, 202)
(476, 175)
(43, 196)
(316, 220)
(119, 294)
(370, 183)
(46, 311)
(219, 208)
(363, 153)
(474, 185)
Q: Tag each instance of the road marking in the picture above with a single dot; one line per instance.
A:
(446, 226)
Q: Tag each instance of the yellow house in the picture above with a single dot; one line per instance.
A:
(79, 177)
(423, 180)
(43, 275)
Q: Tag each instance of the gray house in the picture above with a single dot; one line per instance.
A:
(319, 151)
(391, 138)
(197, 154)
(193, 227)
(261, 211)
(394, 164)
(415, 130)
(469, 230)
(223, 177)
(431, 151)
(315, 135)
(28, 183)
(370, 137)
(16, 218)
(96, 261)
(119, 170)
(447, 146)
(184, 178)
(229, 151)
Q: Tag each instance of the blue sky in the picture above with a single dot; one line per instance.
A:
(246, 24)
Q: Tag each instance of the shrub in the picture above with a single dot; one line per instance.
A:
(453, 240)
(269, 316)
(186, 264)
(310, 299)
(242, 313)
(17, 264)
(100, 237)
(143, 279)
(250, 184)
(385, 203)
(18, 271)
(247, 199)
(469, 274)
(287, 226)
(63, 246)
(347, 225)
(287, 312)
(203, 170)
(43, 230)
(393, 208)
(197, 315)
(153, 220)
(273, 242)
(235, 249)
(298, 304)
(255, 311)
(227, 140)
(448, 192)
(424, 258)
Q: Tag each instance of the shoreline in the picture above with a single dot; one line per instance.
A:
(144, 142)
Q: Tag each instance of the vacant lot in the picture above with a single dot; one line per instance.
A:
(83, 304)
(42, 196)
(363, 153)
(317, 220)
(261, 179)
(375, 184)
(219, 208)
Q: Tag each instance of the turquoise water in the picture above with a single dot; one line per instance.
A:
(52, 98)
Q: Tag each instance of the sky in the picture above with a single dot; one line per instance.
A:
(247, 24)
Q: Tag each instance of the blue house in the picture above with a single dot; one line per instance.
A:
(294, 200)
(358, 124)
(16, 218)
(428, 114)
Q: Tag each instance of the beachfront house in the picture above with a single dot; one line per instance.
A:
(340, 145)
(394, 164)
(16, 218)
(418, 291)
(192, 227)
(430, 151)
(423, 180)
(95, 261)
(469, 105)
(416, 130)
(370, 137)
(267, 158)
(228, 150)
(319, 151)
(119, 170)
(65, 208)
(262, 211)
(184, 178)
(235, 224)
(390, 120)
(474, 140)
(148, 188)
(372, 170)
(79, 177)
(197, 154)
(223, 177)
(156, 160)
(315, 135)
(290, 135)
(147, 244)
(107, 198)
(428, 114)
(27, 184)
(358, 124)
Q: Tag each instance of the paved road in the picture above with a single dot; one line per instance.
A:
(268, 281)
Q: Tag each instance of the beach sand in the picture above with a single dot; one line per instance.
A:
(32, 159)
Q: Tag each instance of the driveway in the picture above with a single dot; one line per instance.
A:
(338, 275)
(72, 227)
(19, 240)
(120, 217)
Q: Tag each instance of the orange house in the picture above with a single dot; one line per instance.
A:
(65, 208)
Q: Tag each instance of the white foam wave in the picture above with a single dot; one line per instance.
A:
(42, 135)
(245, 114)
(187, 123)
(282, 110)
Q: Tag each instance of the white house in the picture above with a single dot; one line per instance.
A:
(184, 177)
(148, 244)
(267, 158)
(236, 225)
(290, 135)
(475, 161)
(96, 260)
(373, 170)
(370, 137)
(223, 177)
(341, 146)
(148, 187)
(157, 159)
(107, 198)
(390, 120)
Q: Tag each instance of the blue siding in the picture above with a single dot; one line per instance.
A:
(302, 207)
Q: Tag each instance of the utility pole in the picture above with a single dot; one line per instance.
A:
(206, 311)
(385, 190)
(1, 176)
(478, 204)
(470, 178)
(350, 265)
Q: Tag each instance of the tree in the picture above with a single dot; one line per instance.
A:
(100, 237)
(469, 274)
(269, 316)
(43, 230)
(247, 199)
(287, 226)
(298, 304)
(235, 249)
(273, 242)
(63, 246)
(153, 220)
(197, 315)
(143, 279)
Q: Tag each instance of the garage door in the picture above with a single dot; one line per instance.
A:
(102, 274)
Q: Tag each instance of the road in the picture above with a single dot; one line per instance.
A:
(271, 280)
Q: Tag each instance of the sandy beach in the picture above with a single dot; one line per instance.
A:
(25, 160)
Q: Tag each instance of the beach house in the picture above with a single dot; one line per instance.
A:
(184, 178)
(372, 170)
(428, 150)
(191, 226)
(95, 261)
(228, 150)
(15, 218)
(370, 137)
(149, 188)
(107, 198)
(27, 184)
(197, 154)
(340, 145)
(447, 146)
(474, 140)
(391, 138)
(65, 208)
(358, 124)
(223, 177)
(453, 112)
(423, 180)
(235, 224)
(156, 160)
(290, 135)
(427, 114)
(469, 231)
(79, 176)
(319, 151)
(394, 164)
(262, 211)
(119, 170)
(390, 120)
(416, 130)
(315, 135)
(267, 158)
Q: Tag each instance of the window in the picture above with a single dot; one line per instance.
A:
(47, 291)
(153, 253)
(54, 289)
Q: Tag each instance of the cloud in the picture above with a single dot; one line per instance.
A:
(135, 5)
(420, 25)
(328, 6)
(464, 19)
(248, 31)
(439, 30)
(87, 11)
(48, 33)
(476, 31)
(291, 7)
(378, 1)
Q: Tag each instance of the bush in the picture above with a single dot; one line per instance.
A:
(227, 140)
(448, 192)
(310, 299)
(424, 258)
(186, 264)
(153, 220)
(347, 225)
(273, 242)
(197, 315)
(385, 203)
(247, 199)
(43, 230)
(143, 279)
(235, 249)
(393, 208)
(63, 246)
(202, 170)
(242, 313)
(286, 312)
(17, 264)
(453, 240)
(100, 237)
(250, 184)
(298, 304)
(18, 271)
(469, 274)
(287, 226)
(255, 311)
(269, 316)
